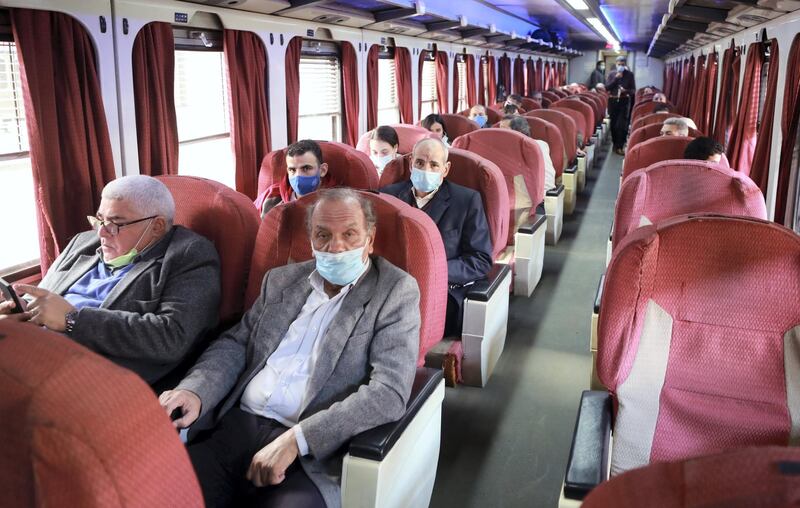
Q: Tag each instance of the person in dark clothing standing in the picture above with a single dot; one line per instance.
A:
(621, 86)
(598, 75)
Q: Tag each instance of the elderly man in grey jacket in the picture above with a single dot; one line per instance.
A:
(137, 290)
(327, 351)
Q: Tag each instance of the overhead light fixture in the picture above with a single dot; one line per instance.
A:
(603, 31)
(578, 5)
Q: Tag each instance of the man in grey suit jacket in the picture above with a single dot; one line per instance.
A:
(139, 290)
(328, 350)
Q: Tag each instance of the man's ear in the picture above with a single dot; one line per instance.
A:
(323, 169)
(446, 169)
(159, 226)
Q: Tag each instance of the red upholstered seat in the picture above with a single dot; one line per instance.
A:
(584, 109)
(520, 160)
(474, 172)
(407, 135)
(741, 478)
(596, 105)
(644, 108)
(653, 131)
(657, 118)
(80, 431)
(549, 133)
(699, 338)
(458, 125)
(229, 220)
(550, 97)
(578, 119)
(679, 187)
(654, 150)
(406, 237)
(492, 116)
(561, 93)
(346, 165)
(529, 104)
(565, 125)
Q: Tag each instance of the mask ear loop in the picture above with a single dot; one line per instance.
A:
(136, 247)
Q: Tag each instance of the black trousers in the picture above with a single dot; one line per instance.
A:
(221, 457)
(619, 111)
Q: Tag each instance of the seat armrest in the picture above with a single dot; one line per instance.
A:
(483, 289)
(534, 223)
(375, 444)
(587, 466)
(572, 169)
(556, 191)
(598, 296)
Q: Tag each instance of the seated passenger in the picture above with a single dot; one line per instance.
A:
(647, 91)
(600, 87)
(703, 149)
(478, 114)
(435, 124)
(661, 108)
(510, 109)
(458, 212)
(519, 124)
(328, 350)
(305, 173)
(514, 100)
(690, 122)
(537, 96)
(675, 127)
(660, 97)
(137, 290)
(383, 145)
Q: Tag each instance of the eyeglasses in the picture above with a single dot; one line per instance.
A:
(111, 227)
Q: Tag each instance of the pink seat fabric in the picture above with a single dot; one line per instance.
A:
(567, 128)
(458, 125)
(657, 118)
(653, 131)
(406, 237)
(679, 187)
(529, 104)
(578, 119)
(229, 220)
(407, 135)
(597, 106)
(643, 109)
(520, 159)
(738, 479)
(550, 97)
(699, 338)
(492, 116)
(653, 150)
(584, 109)
(346, 166)
(549, 133)
(474, 172)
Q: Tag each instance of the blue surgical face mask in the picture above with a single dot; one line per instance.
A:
(425, 181)
(381, 162)
(302, 185)
(480, 120)
(341, 268)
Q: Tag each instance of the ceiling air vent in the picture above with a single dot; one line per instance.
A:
(751, 16)
(329, 15)
(330, 18)
(723, 29)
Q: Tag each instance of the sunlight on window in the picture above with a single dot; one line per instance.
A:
(462, 86)
(388, 106)
(320, 114)
(429, 102)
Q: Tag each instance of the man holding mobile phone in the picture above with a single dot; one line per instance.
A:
(621, 86)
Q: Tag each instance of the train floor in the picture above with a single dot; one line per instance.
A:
(506, 445)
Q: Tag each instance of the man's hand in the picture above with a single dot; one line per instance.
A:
(7, 308)
(269, 464)
(46, 309)
(186, 402)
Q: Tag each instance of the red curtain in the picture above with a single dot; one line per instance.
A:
(402, 70)
(519, 76)
(743, 137)
(350, 93)
(292, 65)
(789, 122)
(759, 172)
(709, 95)
(247, 81)
(728, 92)
(697, 99)
(472, 98)
(668, 81)
(538, 78)
(687, 84)
(563, 73)
(504, 73)
(482, 86)
(547, 82)
(154, 98)
(492, 84)
(70, 148)
(372, 86)
(441, 81)
(531, 81)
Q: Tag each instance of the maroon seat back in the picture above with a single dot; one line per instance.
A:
(597, 106)
(550, 134)
(652, 118)
(565, 125)
(550, 97)
(580, 123)
(475, 172)
(405, 236)
(654, 150)
(529, 104)
(229, 220)
(492, 116)
(644, 108)
(407, 136)
(584, 109)
(458, 125)
(653, 131)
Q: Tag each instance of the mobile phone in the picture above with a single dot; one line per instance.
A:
(9, 294)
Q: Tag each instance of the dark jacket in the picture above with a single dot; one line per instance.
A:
(597, 76)
(627, 83)
(160, 310)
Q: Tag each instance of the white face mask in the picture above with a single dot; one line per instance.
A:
(381, 162)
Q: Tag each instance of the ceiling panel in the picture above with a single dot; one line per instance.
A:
(551, 16)
(635, 21)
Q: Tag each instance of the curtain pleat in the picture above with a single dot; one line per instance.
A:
(743, 137)
(402, 70)
(441, 81)
(529, 65)
(292, 68)
(759, 170)
(372, 86)
(350, 93)
(519, 76)
(728, 93)
(472, 98)
(789, 123)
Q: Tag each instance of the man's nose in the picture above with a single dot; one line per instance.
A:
(337, 245)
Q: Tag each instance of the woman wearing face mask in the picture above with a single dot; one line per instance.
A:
(383, 145)
(435, 124)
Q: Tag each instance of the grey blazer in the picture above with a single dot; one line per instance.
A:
(365, 370)
(157, 313)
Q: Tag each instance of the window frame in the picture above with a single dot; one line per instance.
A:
(462, 67)
(388, 54)
(485, 74)
(320, 49)
(429, 62)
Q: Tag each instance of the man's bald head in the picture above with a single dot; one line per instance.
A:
(435, 147)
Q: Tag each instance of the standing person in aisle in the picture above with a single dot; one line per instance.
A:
(621, 86)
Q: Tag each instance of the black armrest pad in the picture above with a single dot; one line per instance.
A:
(587, 466)
(375, 444)
(556, 191)
(581, 156)
(611, 231)
(534, 223)
(598, 296)
(572, 169)
(483, 289)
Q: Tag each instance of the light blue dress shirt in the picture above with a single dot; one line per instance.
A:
(92, 289)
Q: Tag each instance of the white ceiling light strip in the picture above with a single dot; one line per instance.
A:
(603, 31)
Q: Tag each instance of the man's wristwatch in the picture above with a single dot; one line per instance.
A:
(70, 318)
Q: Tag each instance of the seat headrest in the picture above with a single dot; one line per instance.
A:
(550, 134)
(654, 150)
(458, 125)
(407, 136)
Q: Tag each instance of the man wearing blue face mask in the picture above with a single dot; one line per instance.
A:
(458, 213)
(478, 114)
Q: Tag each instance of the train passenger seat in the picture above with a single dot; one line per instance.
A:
(569, 137)
(550, 97)
(645, 108)
(653, 131)
(492, 116)
(651, 119)
(653, 150)
(589, 126)
(529, 104)
(554, 198)
(82, 431)
(407, 135)
(381, 469)
(698, 346)
(520, 160)
(458, 125)
(485, 313)
(582, 134)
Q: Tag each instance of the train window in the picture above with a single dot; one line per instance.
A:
(16, 175)
(388, 105)
(462, 101)
(762, 90)
(320, 114)
(201, 106)
(428, 91)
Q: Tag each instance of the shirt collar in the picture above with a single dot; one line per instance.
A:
(318, 283)
(425, 200)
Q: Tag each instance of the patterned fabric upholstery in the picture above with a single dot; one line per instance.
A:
(678, 187)
(520, 160)
(578, 119)
(457, 125)
(653, 131)
(653, 150)
(566, 125)
(346, 165)
(699, 338)
(651, 119)
(597, 106)
(406, 237)
(549, 133)
(474, 172)
(738, 479)
(584, 109)
(229, 220)
(80, 431)
(407, 135)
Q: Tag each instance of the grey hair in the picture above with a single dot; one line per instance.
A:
(343, 194)
(147, 195)
(438, 141)
(680, 123)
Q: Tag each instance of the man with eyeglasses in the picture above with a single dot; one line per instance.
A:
(137, 289)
